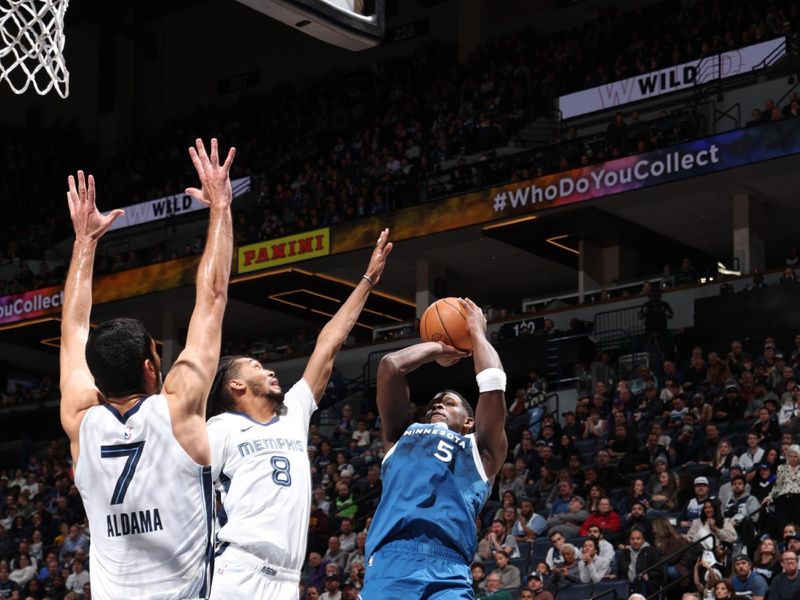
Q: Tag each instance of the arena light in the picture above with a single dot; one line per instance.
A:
(723, 270)
(510, 222)
(554, 240)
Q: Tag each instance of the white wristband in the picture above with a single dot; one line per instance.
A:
(490, 380)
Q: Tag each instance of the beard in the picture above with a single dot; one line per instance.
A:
(263, 391)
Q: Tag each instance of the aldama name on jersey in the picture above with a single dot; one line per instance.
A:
(453, 437)
(143, 521)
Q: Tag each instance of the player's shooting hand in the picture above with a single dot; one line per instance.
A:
(448, 356)
(377, 261)
(214, 178)
(476, 320)
(87, 221)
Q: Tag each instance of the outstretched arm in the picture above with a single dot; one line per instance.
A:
(78, 391)
(335, 332)
(393, 395)
(490, 414)
(189, 380)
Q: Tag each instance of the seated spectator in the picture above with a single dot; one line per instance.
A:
(534, 589)
(694, 506)
(510, 480)
(637, 557)
(568, 523)
(669, 542)
(711, 521)
(561, 503)
(23, 572)
(478, 578)
(740, 504)
(592, 567)
(636, 493)
(347, 537)
(497, 539)
(724, 459)
(767, 428)
(528, 525)
(553, 557)
(604, 517)
(569, 570)
(752, 456)
(313, 574)
(745, 583)
(78, 578)
(766, 560)
(636, 519)
(707, 574)
(509, 574)
(334, 553)
(494, 588)
(763, 482)
(785, 586)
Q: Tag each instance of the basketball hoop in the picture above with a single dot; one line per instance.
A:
(32, 45)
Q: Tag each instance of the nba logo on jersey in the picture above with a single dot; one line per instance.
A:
(128, 433)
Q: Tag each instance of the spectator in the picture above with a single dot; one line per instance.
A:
(23, 572)
(314, 571)
(509, 574)
(569, 569)
(535, 589)
(740, 504)
(762, 483)
(347, 537)
(694, 506)
(335, 554)
(78, 578)
(786, 491)
(746, 582)
(478, 578)
(637, 557)
(332, 592)
(494, 588)
(785, 586)
(528, 525)
(711, 521)
(497, 539)
(766, 560)
(752, 456)
(8, 587)
(592, 567)
(686, 275)
(669, 543)
(569, 522)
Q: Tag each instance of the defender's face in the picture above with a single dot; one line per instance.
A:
(448, 409)
(258, 379)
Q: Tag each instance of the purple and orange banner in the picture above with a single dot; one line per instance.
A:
(107, 288)
(31, 304)
(708, 155)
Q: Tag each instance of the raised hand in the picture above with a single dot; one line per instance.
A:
(87, 221)
(214, 178)
(377, 261)
(449, 355)
(476, 320)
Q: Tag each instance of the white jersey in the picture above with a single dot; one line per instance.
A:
(149, 505)
(264, 477)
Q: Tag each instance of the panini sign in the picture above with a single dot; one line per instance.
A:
(285, 250)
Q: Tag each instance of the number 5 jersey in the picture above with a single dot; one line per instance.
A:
(264, 476)
(149, 505)
(434, 485)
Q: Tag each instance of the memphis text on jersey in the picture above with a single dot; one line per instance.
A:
(132, 523)
(266, 444)
(453, 437)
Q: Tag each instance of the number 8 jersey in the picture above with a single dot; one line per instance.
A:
(264, 476)
(149, 505)
(434, 485)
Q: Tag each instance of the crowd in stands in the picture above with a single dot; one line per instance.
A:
(364, 142)
(772, 112)
(695, 461)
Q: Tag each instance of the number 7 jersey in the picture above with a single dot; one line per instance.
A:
(264, 478)
(434, 486)
(149, 505)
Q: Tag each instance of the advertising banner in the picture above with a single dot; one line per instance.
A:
(672, 79)
(285, 250)
(708, 155)
(169, 206)
(32, 304)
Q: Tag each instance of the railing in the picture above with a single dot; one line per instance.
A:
(612, 592)
(719, 115)
(613, 326)
(664, 562)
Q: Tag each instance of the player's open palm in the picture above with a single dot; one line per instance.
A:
(215, 178)
(87, 221)
(378, 260)
(476, 320)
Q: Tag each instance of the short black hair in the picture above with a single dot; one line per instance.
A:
(115, 353)
(467, 406)
(220, 399)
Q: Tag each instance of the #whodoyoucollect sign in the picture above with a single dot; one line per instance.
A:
(28, 305)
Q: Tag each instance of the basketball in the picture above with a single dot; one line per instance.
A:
(446, 321)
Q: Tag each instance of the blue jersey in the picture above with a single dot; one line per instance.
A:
(434, 485)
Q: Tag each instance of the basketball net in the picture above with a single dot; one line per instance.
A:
(32, 45)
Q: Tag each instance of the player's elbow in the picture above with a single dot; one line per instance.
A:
(390, 366)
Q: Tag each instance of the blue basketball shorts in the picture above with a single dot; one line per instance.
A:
(402, 569)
